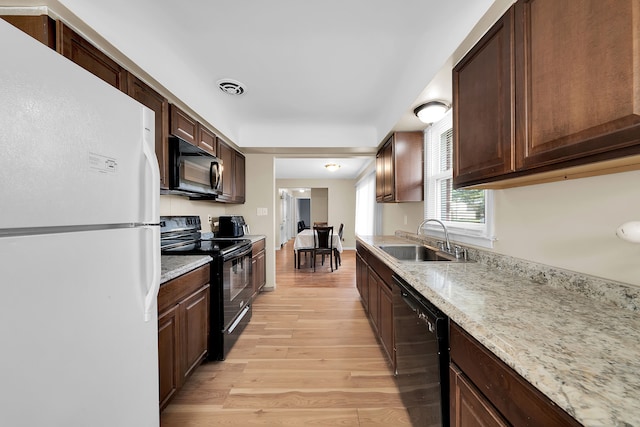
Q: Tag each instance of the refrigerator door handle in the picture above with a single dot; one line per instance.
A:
(152, 204)
(152, 192)
(150, 302)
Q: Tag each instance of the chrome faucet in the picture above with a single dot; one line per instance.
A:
(444, 227)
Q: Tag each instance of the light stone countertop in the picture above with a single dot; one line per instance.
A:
(173, 266)
(582, 352)
(177, 265)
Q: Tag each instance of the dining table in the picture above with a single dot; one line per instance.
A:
(304, 240)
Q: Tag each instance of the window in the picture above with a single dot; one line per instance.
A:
(466, 213)
(367, 210)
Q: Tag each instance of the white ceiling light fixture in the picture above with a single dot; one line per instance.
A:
(231, 87)
(629, 231)
(432, 111)
(332, 167)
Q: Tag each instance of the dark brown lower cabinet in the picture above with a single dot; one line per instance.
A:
(362, 283)
(168, 354)
(259, 266)
(468, 406)
(373, 280)
(183, 329)
(484, 391)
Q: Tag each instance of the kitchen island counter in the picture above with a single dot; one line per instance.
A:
(578, 350)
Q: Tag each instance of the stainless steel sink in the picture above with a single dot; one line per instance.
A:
(416, 253)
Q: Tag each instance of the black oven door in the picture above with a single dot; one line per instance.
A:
(237, 287)
(237, 290)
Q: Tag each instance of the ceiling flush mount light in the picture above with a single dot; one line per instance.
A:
(431, 112)
(332, 167)
(629, 231)
(230, 86)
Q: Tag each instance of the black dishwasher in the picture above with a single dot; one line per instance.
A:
(422, 356)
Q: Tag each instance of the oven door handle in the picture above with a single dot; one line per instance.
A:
(234, 255)
(238, 319)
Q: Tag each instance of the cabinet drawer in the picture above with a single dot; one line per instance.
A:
(179, 288)
(258, 246)
(516, 399)
(385, 273)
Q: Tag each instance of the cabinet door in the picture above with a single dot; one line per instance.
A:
(259, 271)
(183, 126)
(380, 176)
(41, 28)
(207, 140)
(374, 283)
(362, 281)
(389, 177)
(148, 97)
(408, 155)
(468, 407)
(226, 154)
(577, 76)
(483, 107)
(195, 329)
(239, 178)
(73, 46)
(386, 321)
(168, 354)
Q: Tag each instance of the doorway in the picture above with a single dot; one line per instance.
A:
(303, 210)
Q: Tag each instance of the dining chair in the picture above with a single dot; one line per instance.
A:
(320, 224)
(323, 244)
(336, 253)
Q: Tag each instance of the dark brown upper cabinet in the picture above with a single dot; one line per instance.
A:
(208, 140)
(71, 45)
(483, 104)
(185, 127)
(148, 97)
(399, 168)
(233, 175)
(549, 93)
(41, 27)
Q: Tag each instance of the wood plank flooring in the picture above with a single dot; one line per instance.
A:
(308, 357)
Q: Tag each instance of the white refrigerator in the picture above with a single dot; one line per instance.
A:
(79, 245)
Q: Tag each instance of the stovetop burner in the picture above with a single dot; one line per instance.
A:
(181, 235)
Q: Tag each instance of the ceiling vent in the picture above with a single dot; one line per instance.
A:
(231, 87)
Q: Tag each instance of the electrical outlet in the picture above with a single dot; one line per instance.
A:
(209, 218)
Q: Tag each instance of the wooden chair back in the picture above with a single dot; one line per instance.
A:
(322, 238)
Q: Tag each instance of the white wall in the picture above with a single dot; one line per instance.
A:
(319, 205)
(571, 224)
(179, 205)
(261, 193)
(401, 216)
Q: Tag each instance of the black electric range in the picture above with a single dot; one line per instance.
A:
(231, 277)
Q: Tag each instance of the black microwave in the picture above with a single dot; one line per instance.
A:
(193, 172)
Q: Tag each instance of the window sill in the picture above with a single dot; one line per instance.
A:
(462, 236)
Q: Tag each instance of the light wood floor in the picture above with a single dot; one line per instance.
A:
(308, 357)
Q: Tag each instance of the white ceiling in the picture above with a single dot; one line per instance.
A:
(327, 77)
(314, 168)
